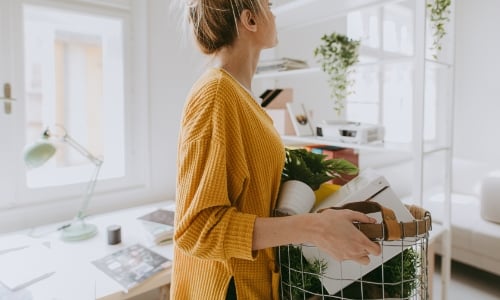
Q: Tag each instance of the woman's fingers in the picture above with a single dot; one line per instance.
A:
(364, 260)
(373, 248)
(347, 242)
(370, 247)
(361, 217)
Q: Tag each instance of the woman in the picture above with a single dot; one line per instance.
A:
(230, 159)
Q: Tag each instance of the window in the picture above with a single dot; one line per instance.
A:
(74, 68)
(80, 65)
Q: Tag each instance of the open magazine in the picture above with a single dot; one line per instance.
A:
(132, 265)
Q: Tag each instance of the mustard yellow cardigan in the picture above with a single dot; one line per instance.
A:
(229, 164)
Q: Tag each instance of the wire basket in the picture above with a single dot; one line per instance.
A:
(400, 272)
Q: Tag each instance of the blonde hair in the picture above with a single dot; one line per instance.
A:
(215, 22)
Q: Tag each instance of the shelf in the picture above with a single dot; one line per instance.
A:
(411, 163)
(305, 12)
(287, 73)
(308, 140)
(429, 147)
(313, 70)
(434, 64)
(388, 59)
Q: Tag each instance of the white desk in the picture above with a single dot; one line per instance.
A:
(76, 277)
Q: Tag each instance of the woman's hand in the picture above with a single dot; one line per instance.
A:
(331, 230)
(335, 234)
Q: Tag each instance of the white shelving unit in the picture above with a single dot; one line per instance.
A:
(308, 16)
(306, 12)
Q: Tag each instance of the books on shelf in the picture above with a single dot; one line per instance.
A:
(280, 64)
(132, 265)
(159, 224)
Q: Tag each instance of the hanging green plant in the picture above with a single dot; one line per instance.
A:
(439, 11)
(337, 54)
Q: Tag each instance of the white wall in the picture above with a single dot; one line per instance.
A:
(477, 85)
(174, 65)
(477, 93)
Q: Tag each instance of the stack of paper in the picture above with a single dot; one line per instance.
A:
(23, 266)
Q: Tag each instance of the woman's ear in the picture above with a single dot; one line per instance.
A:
(248, 20)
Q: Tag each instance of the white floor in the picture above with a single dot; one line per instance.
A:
(467, 283)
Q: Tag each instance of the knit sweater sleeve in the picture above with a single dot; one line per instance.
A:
(208, 225)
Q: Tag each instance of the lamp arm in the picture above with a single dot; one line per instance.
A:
(91, 185)
(90, 190)
(68, 139)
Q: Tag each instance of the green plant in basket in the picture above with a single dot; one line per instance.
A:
(398, 275)
(314, 169)
(300, 278)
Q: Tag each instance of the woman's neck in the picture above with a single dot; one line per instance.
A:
(241, 64)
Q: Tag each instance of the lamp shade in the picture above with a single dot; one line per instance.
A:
(38, 153)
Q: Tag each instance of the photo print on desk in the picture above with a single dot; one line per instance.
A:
(301, 120)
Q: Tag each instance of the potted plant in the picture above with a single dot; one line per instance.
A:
(300, 279)
(396, 279)
(337, 54)
(439, 16)
(303, 173)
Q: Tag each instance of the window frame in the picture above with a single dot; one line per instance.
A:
(137, 142)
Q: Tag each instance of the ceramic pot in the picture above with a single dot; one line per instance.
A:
(295, 198)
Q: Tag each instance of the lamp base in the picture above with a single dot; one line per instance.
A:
(78, 231)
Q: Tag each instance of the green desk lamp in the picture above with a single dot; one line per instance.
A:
(41, 151)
